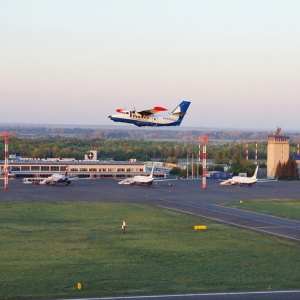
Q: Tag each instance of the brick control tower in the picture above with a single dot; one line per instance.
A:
(278, 151)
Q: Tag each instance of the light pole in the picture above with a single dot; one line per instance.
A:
(6, 135)
(204, 140)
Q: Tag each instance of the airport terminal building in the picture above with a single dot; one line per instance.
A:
(82, 169)
(90, 167)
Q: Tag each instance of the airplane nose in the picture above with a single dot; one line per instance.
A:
(109, 117)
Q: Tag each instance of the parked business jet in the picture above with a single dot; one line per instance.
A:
(158, 116)
(59, 178)
(142, 180)
(245, 181)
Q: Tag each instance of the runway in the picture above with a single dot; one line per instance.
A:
(185, 196)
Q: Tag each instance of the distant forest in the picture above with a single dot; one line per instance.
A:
(125, 149)
(184, 135)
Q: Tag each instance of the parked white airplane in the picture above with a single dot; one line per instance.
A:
(59, 178)
(243, 180)
(158, 116)
(142, 180)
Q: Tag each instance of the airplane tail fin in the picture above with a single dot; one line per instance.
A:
(152, 171)
(255, 173)
(66, 171)
(181, 110)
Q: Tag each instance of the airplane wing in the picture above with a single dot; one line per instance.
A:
(153, 111)
(226, 182)
(127, 181)
(267, 180)
(56, 177)
(165, 179)
(76, 178)
(53, 179)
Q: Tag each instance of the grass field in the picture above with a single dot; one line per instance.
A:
(47, 248)
(280, 208)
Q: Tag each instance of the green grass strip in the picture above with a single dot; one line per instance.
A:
(47, 248)
(281, 208)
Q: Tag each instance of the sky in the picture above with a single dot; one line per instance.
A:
(77, 61)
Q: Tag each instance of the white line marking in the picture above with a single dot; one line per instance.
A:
(238, 209)
(226, 222)
(189, 295)
(278, 227)
(259, 213)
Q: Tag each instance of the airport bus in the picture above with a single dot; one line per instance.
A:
(33, 180)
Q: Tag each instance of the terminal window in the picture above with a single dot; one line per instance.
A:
(15, 168)
(25, 168)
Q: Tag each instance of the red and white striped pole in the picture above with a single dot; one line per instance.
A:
(247, 152)
(6, 163)
(256, 153)
(192, 166)
(199, 159)
(204, 139)
(187, 165)
(6, 136)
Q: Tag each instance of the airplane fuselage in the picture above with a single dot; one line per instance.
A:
(152, 120)
(57, 178)
(137, 180)
(243, 181)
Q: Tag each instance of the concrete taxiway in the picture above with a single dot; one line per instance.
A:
(185, 196)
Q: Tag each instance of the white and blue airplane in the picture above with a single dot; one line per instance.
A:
(143, 180)
(59, 178)
(158, 116)
(244, 180)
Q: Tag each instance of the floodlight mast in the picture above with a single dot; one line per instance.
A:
(6, 135)
(204, 140)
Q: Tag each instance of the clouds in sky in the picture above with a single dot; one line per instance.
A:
(75, 61)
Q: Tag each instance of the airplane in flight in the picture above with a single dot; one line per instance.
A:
(158, 116)
(143, 180)
(244, 180)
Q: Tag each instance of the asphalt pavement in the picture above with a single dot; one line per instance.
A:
(185, 196)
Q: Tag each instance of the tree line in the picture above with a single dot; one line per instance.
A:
(124, 149)
(288, 170)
